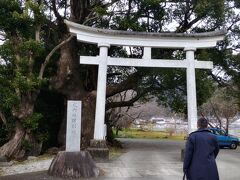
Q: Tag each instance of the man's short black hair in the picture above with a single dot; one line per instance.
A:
(202, 123)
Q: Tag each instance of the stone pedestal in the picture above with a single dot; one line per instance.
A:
(73, 165)
(99, 150)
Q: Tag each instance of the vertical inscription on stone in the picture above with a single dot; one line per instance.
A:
(73, 136)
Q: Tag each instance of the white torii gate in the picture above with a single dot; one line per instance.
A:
(105, 38)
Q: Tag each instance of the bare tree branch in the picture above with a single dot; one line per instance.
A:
(89, 18)
(215, 113)
(133, 118)
(51, 53)
(207, 119)
(236, 19)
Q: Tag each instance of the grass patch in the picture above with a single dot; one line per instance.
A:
(45, 156)
(137, 133)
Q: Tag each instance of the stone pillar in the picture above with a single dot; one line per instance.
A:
(191, 90)
(98, 148)
(73, 133)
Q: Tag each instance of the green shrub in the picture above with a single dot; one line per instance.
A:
(32, 122)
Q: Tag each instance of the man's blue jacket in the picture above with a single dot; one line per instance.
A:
(200, 153)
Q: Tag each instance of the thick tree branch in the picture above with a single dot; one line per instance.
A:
(185, 26)
(58, 16)
(127, 103)
(90, 19)
(50, 55)
(113, 74)
(129, 83)
(111, 3)
(218, 80)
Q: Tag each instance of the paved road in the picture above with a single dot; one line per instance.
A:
(151, 160)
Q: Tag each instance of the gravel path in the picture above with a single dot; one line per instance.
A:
(27, 166)
(143, 160)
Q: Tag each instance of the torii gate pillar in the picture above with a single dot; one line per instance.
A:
(99, 130)
(98, 147)
(191, 90)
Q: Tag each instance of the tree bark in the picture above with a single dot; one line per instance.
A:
(15, 147)
(69, 80)
(26, 106)
(227, 125)
(23, 143)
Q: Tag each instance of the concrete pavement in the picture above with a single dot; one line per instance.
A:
(151, 160)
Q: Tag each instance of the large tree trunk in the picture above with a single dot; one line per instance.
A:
(62, 130)
(69, 81)
(88, 115)
(13, 147)
(75, 83)
(23, 142)
(26, 106)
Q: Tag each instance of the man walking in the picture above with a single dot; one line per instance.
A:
(201, 150)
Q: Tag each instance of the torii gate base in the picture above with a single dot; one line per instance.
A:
(99, 150)
(105, 38)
